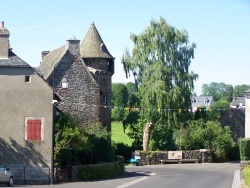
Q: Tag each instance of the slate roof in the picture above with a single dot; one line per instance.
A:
(247, 91)
(202, 101)
(93, 46)
(238, 101)
(13, 61)
(50, 60)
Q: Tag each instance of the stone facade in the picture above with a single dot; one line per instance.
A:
(88, 69)
(235, 119)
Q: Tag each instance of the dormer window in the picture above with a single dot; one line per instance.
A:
(27, 79)
(206, 101)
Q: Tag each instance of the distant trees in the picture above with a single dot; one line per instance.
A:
(240, 89)
(223, 91)
(218, 90)
(119, 100)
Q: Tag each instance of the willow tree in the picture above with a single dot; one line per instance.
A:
(160, 63)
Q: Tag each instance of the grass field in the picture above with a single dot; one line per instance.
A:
(246, 172)
(117, 134)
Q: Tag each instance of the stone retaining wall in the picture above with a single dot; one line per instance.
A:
(155, 157)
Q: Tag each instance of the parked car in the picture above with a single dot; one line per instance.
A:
(5, 175)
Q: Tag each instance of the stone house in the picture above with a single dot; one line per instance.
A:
(87, 69)
(238, 102)
(26, 110)
(201, 102)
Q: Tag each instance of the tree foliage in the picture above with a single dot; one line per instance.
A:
(119, 100)
(218, 91)
(223, 91)
(74, 144)
(240, 89)
(160, 63)
(200, 134)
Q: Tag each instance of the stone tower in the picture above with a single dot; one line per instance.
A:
(4, 41)
(87, 69)
(247, 114)
(101, 64)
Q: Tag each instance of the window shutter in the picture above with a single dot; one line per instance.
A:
(34, 130)
(29, 130)
(37, 127)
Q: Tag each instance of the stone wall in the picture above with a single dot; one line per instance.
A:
(235, 119)
(155, 157)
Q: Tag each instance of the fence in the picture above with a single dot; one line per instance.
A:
(32, 175)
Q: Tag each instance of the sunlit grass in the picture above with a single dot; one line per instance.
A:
(246, 172)
(117, 134)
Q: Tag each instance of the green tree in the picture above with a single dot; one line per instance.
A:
(218, 91)
(119, 101)
(217, 110)
(201, 134)
(160, 63)
(239, 90)
(69, 141)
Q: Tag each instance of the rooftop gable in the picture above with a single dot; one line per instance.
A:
(13, 61)
(238, 101)
(50, 61)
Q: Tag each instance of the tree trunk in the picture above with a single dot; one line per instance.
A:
(146, 135)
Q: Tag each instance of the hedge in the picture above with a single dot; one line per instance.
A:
(100, 171)
(245, 149)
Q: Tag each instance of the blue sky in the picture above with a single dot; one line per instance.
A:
(220, 28)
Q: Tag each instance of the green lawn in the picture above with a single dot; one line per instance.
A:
(246, 172)
(117, 134)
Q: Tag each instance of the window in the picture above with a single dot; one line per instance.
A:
(33, 129)
(27, 79)
(111, 66)
(103, 98)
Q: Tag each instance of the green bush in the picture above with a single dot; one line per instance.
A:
(123, 150)
(245, 149)
(234, 153)
(205, 134)
(101, 171)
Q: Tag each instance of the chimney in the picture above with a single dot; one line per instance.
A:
(73, 46)
(44, 53)
(4, 41)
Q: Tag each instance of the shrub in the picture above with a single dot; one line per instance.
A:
(245, 149)
(101, 171)
(234, 153)
(123, 150)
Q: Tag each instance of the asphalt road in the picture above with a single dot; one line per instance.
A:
(215, 175)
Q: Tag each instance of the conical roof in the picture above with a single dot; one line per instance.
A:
(92, 45)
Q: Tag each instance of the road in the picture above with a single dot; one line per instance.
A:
(216, 175)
